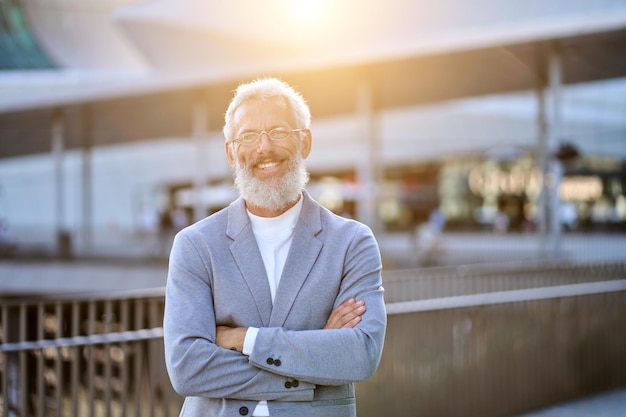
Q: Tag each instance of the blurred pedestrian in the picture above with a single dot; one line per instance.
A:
(501, 219)
(274, 305)
(180, 219)
(166, 232)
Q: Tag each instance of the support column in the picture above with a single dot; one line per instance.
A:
(87, 180)
(200, 133)
(369, 167)
(550, 127)
(555, 81)
(63, 237)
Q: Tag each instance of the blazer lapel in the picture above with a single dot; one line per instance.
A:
(305, 249)
(248, 258)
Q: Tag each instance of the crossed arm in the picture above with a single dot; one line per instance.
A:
(347, 315)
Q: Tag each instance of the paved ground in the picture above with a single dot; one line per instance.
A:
(610, 404)
(459, 248)
(53, 277)
(125, 267)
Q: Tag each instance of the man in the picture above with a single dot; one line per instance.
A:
(274, 305)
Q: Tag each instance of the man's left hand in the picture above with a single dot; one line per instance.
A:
(231, 337)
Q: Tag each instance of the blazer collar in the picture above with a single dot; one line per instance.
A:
(238, 219)
(305, 249)
(246, 254)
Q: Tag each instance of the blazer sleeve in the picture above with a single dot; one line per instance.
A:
(195, 364)
(334, 357)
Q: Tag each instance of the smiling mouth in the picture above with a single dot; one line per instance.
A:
(267, 165)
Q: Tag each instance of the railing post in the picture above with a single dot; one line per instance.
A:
(75, 358)
(41, 388)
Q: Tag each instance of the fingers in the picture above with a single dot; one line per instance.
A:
(347, 315)
(221, 336)
(230, 337)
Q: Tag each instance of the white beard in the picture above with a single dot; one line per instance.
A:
(268, 196)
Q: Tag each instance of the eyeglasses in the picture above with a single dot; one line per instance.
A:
(277, 134)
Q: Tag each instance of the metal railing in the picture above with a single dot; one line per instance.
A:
(499, 354)
(436, 282)
(90, 354)
(497, 339)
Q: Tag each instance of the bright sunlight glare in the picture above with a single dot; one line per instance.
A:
(306, 9)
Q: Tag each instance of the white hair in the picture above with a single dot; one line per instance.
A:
(264, 89)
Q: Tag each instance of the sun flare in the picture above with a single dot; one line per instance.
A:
(306, 9)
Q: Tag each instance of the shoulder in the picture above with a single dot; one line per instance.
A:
(214, 221)
(216, 226)
(347, 228)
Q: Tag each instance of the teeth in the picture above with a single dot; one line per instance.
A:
(267, 165)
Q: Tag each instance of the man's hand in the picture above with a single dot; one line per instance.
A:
(347, 315)
(230, 337)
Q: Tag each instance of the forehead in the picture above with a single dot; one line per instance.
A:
(263, 113)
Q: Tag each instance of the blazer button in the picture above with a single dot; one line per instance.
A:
(295, 383)
(270, 361)
(243, 411)
(288, 385)
(277, 362)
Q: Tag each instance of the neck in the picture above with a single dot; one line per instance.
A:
(267, 212)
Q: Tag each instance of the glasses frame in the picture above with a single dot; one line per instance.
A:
(268, 133)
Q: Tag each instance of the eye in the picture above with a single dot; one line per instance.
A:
(280, 133)
(248, 137)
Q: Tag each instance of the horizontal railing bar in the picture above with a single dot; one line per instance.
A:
(94, 339)
(156, 292)
(502, 297)
(515, 268)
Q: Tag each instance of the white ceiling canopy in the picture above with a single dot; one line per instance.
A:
(223, 37)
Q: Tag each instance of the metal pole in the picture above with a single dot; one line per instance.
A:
(200, 137)
(542, 153)
(87, 180)
(63, 245)
(555, 83)
(550, 125)
(368, 167)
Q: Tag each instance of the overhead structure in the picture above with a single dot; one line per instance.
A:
(403, 63)
(356, 58)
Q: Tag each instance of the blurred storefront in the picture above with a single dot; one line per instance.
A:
(483, 192)
(494, 191)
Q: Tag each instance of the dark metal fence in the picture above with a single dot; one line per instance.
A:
(95, 355)
(473, 341)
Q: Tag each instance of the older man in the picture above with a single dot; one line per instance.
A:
(274, 305)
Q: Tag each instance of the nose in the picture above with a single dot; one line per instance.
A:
(264, 141)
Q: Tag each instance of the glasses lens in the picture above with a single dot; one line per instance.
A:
(248, 138)
(279, 133)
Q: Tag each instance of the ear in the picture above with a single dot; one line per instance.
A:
(228, 148)
(307, 139)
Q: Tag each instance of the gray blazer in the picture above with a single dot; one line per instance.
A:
(216, 277)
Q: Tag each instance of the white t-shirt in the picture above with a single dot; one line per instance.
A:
(273, 236)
